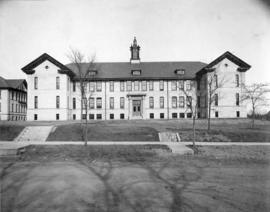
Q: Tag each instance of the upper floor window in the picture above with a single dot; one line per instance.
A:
(91, 103)
(198, 85)
(129, 86)
(57, 83)
(181, 85)
(237, 80)
(151, 85)
(237, 99)
(151, 102)
(174, 86)
(161, 85)
(111, 103)
(74, 86)
(36, 83)
(144, 86)
(174, 102)
(161, 102)
(188, 85)
(74, 103)
(57, 101)
(99, 86)
(181, 101)
(99, 102)
(0, 93)
(122, 86)
(36, 102)
(84, 103)
(136, 86)
(189, 101)
(111, 86)
(199, 101)
(216, 80)
(92, 86)
(122, 102)
(136, 72)
(68, 84)
(216, 99)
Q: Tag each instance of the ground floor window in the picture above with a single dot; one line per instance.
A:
(216, 114)
(237, 114)
(122, 116)
(35, 117)
(83, 116)
(74, 116)
(199, 115)
(111, 116)
(91, 116)
(57, 116)
(151, 115)
(189, 115)
(174, 115)
(181, 115)
(99, 116)
(161, 115)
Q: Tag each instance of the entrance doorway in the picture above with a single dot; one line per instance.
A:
(136, 107)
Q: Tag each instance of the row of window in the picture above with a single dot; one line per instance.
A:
(17, 96)
(16, 118)
(17, 108)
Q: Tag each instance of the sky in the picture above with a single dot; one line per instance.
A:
(171, 30)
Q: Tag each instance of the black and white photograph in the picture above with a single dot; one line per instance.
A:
(134, 106)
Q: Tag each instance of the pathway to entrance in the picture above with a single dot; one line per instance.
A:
(34, 133)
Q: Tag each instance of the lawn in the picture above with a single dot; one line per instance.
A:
(136, 178)
(10, 132)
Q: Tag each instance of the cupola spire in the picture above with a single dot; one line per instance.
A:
(135, 52)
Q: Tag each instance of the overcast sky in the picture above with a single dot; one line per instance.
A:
(171, 30)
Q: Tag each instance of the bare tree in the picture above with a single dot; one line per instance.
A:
(84, 71)
(255, 94)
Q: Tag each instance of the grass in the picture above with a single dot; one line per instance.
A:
(10, 132)
(137, 178)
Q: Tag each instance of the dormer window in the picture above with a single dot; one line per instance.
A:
(92, 72)
(136, 72)
(179, 71)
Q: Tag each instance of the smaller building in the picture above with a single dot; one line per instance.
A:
(13, 99)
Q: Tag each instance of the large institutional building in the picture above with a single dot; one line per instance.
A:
(135, 89)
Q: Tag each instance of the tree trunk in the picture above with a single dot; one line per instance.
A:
(209, 116)
(194, 133)
(253, 117)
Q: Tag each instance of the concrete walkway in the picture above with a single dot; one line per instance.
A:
(34, 133)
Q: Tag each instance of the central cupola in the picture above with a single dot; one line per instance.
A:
(135, 52)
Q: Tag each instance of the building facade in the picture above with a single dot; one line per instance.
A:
(13, 99)
(134, 89)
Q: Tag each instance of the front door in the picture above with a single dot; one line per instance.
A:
(136, 107)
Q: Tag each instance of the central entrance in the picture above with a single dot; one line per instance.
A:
(136, 107)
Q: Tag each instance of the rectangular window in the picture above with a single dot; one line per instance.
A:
(57, 116)
(237, 80)
(99, 103)
(188, 85)
(161, 85)
(91, 116)
(198, 85)
(151, 85)
(74, 116)
(111, 116)
(57, 83)
(216, 99)
(216, 80)
(122, 86)
(57, 101)
(151, 102)
(74, 103)
(122, 116)
(0, 94)
(189, 115)
(92, 86)
(136, 86)
(84, 103)
(112, 86)
(144, 86)
(237, 114)
(174, 85)
(68, 84)
(99, 86)
(181, 85)
(237, 99)
(181, 115)
(0, 106)
(111, 102)
(181, 101)
(91, 103)
(74, 86)
(84, 116)
(216, 114)
(12, 107)
(36, 102)
(161, 115)
(151, 115)
(174, 102)
(189, 101)
(174, 115)
(129, 86)
(199, 101)
(35, 83)
(199, 115)
(122, 102)
(35, 117)
(161, 102)
(99, 116)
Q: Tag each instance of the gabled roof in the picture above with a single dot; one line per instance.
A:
(243, 66)
(29, 68)
(149, 70)
(12, 83)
